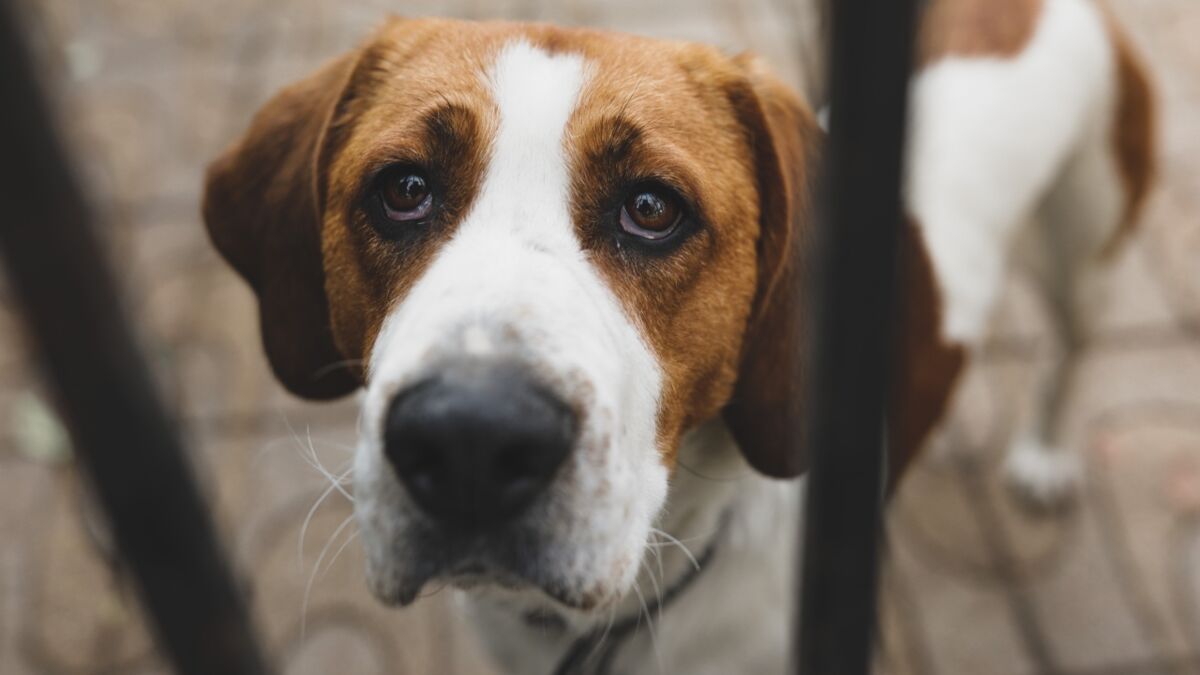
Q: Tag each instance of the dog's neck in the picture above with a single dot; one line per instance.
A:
(730, 614)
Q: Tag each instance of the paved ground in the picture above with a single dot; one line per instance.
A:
(150, 89)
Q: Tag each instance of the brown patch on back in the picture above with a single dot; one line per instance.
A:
(1135, 132)
(980, 28)
(926, 366)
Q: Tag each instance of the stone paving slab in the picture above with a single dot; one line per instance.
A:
(149, 90)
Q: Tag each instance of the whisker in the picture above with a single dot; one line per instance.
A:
(654, 548)
(326, 369)
(612, 616)
(337, 481)
(649, 627)
(339, 552)
(664, 544)
(662, 576)
(678, 543)
(657, 586)
(334, 483)
(312, 577)
(310, 457)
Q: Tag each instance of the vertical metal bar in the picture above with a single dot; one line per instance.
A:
(858, 238)
(125, 442)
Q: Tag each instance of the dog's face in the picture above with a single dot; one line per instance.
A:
(545, 255)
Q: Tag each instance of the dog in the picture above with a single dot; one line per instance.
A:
(567, 270)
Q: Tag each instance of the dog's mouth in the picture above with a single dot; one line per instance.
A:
(481, 577)
(467, 577)
(517, 566)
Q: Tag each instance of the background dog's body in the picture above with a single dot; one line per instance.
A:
(1032, 144)
(1036, 119)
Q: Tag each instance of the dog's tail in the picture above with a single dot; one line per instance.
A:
(1134, 132)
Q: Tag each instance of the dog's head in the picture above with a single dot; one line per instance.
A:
(545, 254)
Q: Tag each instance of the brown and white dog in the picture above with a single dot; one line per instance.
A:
(565, 268)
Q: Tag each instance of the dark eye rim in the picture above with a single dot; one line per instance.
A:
(383, 218)
(650, 240)
(413, 215)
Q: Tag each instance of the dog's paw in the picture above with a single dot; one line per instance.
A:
(1042, 479)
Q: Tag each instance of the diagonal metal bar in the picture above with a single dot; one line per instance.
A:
(858, 239)
(125, 441)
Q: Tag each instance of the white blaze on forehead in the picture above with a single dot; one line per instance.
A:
(523, 203)
(536, 93)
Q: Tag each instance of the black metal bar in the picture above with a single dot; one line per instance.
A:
(123, 437)
(858, 237)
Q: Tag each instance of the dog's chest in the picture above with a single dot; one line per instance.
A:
(733, 617)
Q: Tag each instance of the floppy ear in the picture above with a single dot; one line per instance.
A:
(262, 210)
(766, 411)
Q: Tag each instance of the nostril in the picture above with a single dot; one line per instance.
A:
(413, 449)
(425, 470)
(512, 464)
(516, 473)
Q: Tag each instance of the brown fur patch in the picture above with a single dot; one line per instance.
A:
(768, 411)
(656, 110)
(421, 102)
(998, 28)
(261, 211)
(723, 310)
(1135, 131)
(926, 366)
(652, 109)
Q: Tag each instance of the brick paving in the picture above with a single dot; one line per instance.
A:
(149, 90)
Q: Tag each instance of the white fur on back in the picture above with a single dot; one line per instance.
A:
(988, 139)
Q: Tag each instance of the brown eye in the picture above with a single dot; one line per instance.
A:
(651, 212)
(405, 195)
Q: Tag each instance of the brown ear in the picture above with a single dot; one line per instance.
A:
(263, 213)
(766, 412)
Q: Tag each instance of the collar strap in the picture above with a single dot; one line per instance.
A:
(594, 652)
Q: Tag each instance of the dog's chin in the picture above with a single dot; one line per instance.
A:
(504, 585)
(524, 583)
(403, 590)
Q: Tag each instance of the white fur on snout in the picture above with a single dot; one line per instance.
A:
(514, 283)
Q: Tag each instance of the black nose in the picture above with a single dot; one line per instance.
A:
(477, 443)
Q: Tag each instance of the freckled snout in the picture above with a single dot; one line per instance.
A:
(477, 442)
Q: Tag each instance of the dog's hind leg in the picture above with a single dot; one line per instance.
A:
(1092, 207)
(1063, 253)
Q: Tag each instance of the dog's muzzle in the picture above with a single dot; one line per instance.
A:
(477, 442)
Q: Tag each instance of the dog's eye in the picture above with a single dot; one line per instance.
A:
(651, 211)
(405, 195)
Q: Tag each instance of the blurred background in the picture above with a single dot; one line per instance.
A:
(148, 91)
